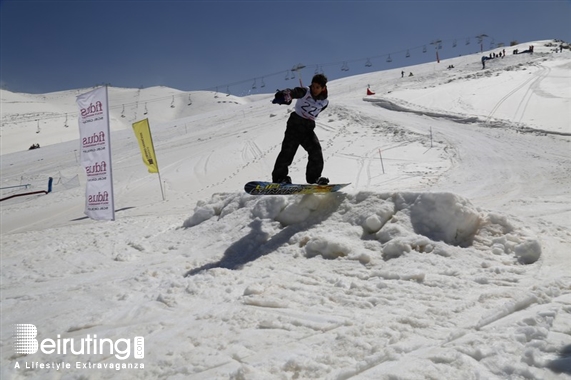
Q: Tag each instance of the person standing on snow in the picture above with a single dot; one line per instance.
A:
(300, 130)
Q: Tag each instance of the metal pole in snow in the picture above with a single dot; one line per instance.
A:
(161, 183)
(381, 156)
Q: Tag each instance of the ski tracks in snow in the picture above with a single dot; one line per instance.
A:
(522, 105)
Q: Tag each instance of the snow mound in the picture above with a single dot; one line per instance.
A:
(362, 226)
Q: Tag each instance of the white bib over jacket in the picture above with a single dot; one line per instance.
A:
(308, 107)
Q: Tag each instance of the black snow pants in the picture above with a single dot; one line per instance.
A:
(299, 131)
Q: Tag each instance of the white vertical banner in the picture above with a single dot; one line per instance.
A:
(95, 141)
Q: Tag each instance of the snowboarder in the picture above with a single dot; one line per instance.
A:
(300, 130)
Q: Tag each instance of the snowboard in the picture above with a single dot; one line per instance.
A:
(269, 188)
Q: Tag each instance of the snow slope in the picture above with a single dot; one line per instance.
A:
(448, 259)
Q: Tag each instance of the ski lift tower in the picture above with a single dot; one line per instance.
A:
(297, 69)
(481, 40)
(437, 45)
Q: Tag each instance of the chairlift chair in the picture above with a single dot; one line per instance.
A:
(368, 63)
(407, 54)
(389, 59)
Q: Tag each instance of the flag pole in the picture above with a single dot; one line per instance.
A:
(110, 155)
(161, 183)
(157, 161)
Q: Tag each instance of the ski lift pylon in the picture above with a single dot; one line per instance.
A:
(172, 102)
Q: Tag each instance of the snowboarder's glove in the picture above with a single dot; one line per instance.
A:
(282, 97)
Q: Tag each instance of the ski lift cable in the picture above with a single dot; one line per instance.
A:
(238, 83)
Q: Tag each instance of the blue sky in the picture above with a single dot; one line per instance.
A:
(48, 46)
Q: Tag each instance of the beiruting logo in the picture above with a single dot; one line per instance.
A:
(25, 342)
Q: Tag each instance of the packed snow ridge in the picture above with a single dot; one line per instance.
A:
(359, 226)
